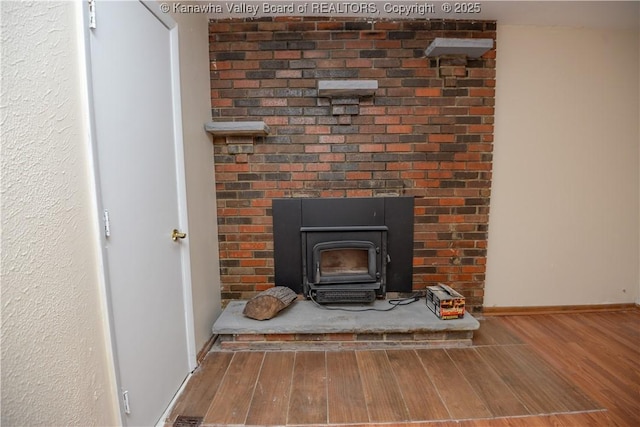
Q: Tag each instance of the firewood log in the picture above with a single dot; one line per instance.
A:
(268, 303)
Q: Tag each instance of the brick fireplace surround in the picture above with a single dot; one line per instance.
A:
(427, 132)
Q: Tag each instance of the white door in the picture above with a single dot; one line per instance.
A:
(137, 123)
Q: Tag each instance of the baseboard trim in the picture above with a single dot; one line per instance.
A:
(205, 349)
(556, 309)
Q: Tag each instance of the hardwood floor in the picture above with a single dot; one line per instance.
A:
(535, 370)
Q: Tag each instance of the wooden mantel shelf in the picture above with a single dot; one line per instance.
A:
(255, 128)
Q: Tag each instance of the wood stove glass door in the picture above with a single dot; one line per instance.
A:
(345, 261)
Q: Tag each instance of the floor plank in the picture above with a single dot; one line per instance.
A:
(420, 395)
(486, 382)
(270, 403)
(382, 393)
(456, 393)
(203, 385)
(231, 402)
(492, 331)
(308, 403)
(346, 403)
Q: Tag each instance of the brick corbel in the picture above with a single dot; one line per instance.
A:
(452, 54)
(345, 96)
(451, 68)
(239, 136)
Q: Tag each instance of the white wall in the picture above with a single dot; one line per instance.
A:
(563, 228)
(201, 197)
(55, 362)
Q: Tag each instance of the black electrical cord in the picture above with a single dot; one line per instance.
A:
(394, 303)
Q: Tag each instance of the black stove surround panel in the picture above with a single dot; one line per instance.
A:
(344, 249)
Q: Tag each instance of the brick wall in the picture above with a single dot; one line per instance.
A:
(427, 132)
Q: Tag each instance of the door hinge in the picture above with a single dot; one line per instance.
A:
(107, 223)
(92, 13)
(125, 400)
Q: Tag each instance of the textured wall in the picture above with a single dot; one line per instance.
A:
(54, 365)
(427, 132)
(564, 208)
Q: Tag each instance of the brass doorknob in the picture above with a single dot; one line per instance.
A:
(175, 235)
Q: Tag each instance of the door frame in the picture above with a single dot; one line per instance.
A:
(98, 207)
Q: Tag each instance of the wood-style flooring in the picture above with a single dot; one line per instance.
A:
(579, 369)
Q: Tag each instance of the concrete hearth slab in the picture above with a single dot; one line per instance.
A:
(305, 317)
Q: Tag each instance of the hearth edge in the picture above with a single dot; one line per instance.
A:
(304, 317)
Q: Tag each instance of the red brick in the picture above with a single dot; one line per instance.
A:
(290, 184)
(275, 121)
(286, 167)
(317, 167)
(442, 138)
(329, 63)
(399, 129)
(428, 91)
(280, 337)
(232, 168)
(245, 65)
(425, 165)
(480, 128)
(358, 175)
(251, 212)
(415, 63)
(482, 92)
(400, 110)
(331, 139)
(371, 148)
(317, 129)
(398, 166)
(386, 120)
(358, 63)
(304, 176)
(287, 54)
(246, 337)
(221, 103)
(252, 245)
(253, 262)
(232, 74)
(317, 148)
(332, 157)
(359, 193)
(332, 193)
(481, 111)
(439, 174)
(399, 148)
(288, 74)
(452, 201)
(371, 110)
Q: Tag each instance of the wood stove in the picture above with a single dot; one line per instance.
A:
(344, 250)
(341, 263)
